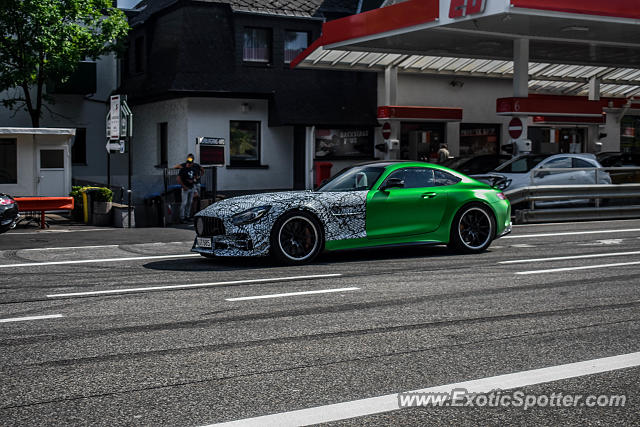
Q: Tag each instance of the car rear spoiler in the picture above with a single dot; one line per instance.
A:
(493, 179)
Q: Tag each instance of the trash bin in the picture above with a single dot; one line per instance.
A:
(323, 172)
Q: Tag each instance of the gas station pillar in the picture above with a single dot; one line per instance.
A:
(521, 87)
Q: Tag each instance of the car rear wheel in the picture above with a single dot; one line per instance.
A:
(296, 238)
(473, 229)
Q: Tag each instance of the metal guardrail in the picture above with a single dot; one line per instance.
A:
(589, 194)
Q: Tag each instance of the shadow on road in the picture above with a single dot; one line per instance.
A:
(384, 254)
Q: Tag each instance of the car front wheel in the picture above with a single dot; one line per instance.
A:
(473, 229)
(296, 238)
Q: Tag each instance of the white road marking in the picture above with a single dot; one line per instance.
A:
(99, 260)
(389, 402)
(584, 267)
(571, 233)
(522, 245)
(559, 258)
(195, 285)
(23, 319)
(70, 247)
(603, 242)
(61, 231)
(290, 294)
(106, 246)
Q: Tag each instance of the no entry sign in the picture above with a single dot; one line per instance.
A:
(386, 130)
(515, 128)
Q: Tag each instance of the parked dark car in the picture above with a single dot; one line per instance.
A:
(8, 213)
(621, 160)
(480, 164)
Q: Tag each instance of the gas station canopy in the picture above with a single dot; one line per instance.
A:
(570, 42)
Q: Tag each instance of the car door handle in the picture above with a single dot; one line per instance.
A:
(429, 195)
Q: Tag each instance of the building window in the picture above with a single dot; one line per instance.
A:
(244, 146)
(295, 42)
(79, 149)
(163, 145)
(8, 161)
(138, 59)
(257, 45)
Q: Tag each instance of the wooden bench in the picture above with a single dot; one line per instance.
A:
(44, 204)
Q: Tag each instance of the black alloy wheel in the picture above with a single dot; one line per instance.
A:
(473, 229)
(296, 238)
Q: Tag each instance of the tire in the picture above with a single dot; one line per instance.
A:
(296, 238)
(473, 229)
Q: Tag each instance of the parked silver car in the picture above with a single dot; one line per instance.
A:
(558, 169)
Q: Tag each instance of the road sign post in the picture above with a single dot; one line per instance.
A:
(119, 132)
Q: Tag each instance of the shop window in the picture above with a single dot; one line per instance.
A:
(630, 134)
(244, 144)
(79, 148)
(257, 45)
(163, 144)
(295, 42)
(348, 143)
(476, 139)
(421, 141)
(8, 161)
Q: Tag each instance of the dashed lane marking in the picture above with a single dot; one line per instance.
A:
(389, 402)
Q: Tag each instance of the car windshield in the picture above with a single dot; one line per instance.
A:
(358, 178)
(521, 164)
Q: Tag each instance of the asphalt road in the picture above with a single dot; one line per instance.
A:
(126, 327)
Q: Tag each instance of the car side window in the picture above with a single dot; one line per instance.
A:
(418, 178)
(445, 178)
(414, 177)
(560, 162)
(580, 163)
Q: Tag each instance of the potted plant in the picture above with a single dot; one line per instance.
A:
(102, 200)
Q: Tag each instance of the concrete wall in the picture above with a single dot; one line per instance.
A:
(189, 118)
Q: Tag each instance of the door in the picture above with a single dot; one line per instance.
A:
(542, 177)
(51, 172)
(415, 208)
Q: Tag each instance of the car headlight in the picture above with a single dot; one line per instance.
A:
(250, 215)
(199, 225)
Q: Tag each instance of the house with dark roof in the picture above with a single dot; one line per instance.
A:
(220, 70)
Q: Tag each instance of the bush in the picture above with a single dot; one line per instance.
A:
(102, 194)
(98, 194)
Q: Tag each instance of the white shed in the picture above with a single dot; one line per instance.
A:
(35, 161)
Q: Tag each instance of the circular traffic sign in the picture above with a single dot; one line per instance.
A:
(386, 130)
(515, 128)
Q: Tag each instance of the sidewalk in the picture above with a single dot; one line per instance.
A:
(64, 232)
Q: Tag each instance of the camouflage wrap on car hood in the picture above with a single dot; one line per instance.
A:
(342, 215)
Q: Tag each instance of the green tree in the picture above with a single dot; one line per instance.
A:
(44, 40)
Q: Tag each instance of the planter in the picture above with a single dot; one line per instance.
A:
(101, 219)
(102, 208)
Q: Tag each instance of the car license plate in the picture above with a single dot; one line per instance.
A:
(203, 242)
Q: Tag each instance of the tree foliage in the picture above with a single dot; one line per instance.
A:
(44, 40)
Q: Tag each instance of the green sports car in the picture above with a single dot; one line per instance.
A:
(367, 205)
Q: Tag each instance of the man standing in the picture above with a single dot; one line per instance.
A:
(443, 153)
(187, 179)
(199, 173)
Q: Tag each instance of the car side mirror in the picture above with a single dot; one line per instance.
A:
(542, 174)
(392, 183)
